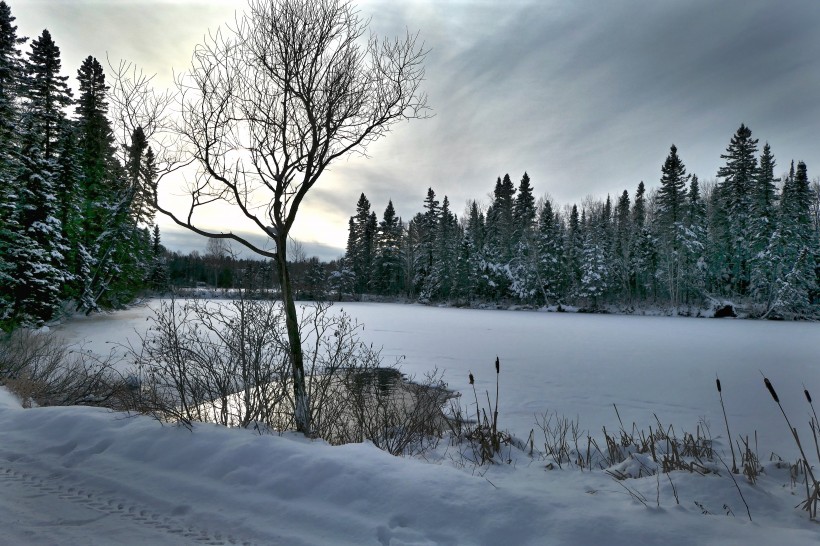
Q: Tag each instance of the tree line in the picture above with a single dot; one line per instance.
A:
(749, 237)
(76, 225)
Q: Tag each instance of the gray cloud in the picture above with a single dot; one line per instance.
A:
(585, 96)
(182, 240)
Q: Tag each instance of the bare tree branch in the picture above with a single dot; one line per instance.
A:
(268, 104)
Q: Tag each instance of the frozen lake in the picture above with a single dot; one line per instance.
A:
(579, 365)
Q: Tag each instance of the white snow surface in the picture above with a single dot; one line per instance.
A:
(86, 476)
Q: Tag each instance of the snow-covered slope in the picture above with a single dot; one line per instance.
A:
(84, 476)
(88, 476)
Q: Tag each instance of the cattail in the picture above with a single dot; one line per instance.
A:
(808, 396)
(771, 389)
(472, 380)
(718, 384)
(497, 365)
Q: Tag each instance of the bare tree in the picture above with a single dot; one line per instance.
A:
(218, 249)
(270, 103)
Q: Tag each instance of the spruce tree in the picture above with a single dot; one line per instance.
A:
(669, 223)
(40, 250)
(672, 192)
(736, 197)
(622, 247)
(573, 251)
(523, 266)
(361, 243)
(644, 251)
(523, 215)
(447, 242)
(68, 192)
(693, 249)
(549, 255)
(594, 268)
(115, 248)
(474, 237)
(11, 73)
(762, 264)
(387, 270)
(425, 253)
(798, 283)
(38, 254)
(47, 95)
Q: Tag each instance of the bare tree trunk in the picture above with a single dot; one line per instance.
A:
(301, 412)
(267, 106)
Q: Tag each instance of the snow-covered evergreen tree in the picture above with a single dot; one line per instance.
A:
(621, 255)
(387, 262)
(796, 280)
(669, 224)
(425, 277)
(735, 195)
(644, 254)
(594, 267)
(447, 243)
(360, 244)
(39, 252)
(693, 246)
(573, 252)
(550, 255)
(764, 256)
(11, 70)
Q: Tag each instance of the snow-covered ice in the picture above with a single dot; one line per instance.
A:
(89, 476)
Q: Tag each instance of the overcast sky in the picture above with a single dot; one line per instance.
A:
(585, 95)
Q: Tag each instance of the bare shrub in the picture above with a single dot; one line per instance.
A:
(215, 362)
(43, 370)
(400, 416)
(228, 363)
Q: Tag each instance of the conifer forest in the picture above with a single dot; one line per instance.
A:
(76, 227)
(749, 238)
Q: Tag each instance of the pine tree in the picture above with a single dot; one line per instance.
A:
(40, 250)
(736, 195)
(159, 267)
(796, 281)
(500, 226)
(623, 244)
(47, 94)
(522, 269)
(115, 248)
(573, 252)
(594, 268)
(669, 223)
(447, 242)
(425, 282)
(38, 255)
(523, 216)
(644, 252)
(412, 258)
(360, 244)
(387, 270)
(11, 73)
(550, 255)
(763, 257)
(693, 245)
(473, 252)
(672, 192)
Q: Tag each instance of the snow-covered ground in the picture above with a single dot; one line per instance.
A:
(89, 476)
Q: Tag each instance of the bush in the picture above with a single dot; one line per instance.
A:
(43, 370)
(228, 363)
